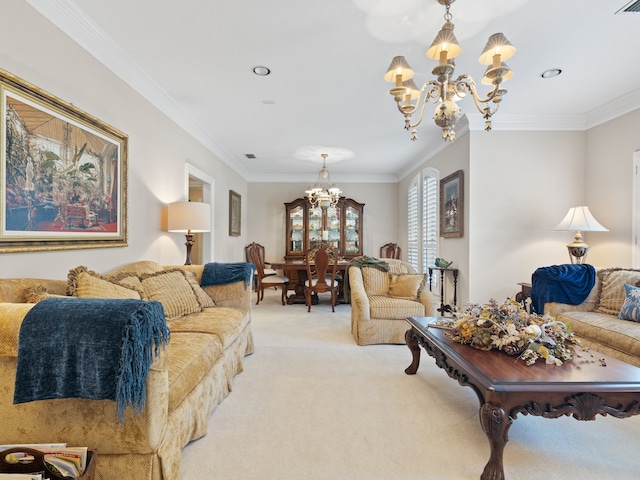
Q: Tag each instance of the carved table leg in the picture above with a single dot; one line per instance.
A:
(495, 423)
(412, 342)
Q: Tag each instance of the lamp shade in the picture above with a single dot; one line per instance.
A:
(399, 66)
(191, 217)
(497, 44)
(445, 41)
(580, 219)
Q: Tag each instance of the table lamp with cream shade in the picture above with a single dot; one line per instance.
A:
(190, 217)
(579, 219)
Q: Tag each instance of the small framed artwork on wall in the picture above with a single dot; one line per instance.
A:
(235, 214)
(452, 205)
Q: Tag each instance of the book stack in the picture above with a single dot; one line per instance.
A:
(42, 462)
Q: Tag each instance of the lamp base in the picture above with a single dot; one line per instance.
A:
(189, 243)
(578, 249)
(578, 255)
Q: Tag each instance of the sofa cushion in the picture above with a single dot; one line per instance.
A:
(382, 306)
(611, 288)
(621, 335)
(376, 282)
(173, 290)
(192, 355)
(406, 285)
(631, 307)
(225, 323)
(142, 267)
(85, 283)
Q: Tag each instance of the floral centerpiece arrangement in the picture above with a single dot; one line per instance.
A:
(510, 328)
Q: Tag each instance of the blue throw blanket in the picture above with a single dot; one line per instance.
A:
(567, 283)
(223, 273)
(89, 348)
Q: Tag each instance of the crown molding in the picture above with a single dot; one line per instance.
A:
(311, 179)
(80, 28)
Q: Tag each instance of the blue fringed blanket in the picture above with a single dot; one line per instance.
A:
(569, 283)
(223, 273)
(89, 348)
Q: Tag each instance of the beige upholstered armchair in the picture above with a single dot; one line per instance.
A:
(381, 301)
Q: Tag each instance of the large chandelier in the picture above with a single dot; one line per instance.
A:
(323, 194)
(444, 91)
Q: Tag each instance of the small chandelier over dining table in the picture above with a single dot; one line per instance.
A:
(445, 91)
(323, 194)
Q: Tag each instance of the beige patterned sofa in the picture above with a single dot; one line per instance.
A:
(210, 334)
(381, 301)
(595, 321)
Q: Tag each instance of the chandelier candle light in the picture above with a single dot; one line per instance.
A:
(445, 91)
(323, 194)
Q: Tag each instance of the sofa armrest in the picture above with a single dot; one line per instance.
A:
(554, 308)
(360, 310)
(11, 316)
(430, 301)
(232, 295)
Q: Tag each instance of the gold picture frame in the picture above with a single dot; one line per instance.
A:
(235, 214)
(452, 205)
(63, 174)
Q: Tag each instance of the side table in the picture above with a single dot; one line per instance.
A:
(454, 272)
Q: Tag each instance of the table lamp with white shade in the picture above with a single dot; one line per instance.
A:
(579, 219)
(190, 217)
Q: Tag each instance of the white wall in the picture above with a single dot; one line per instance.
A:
(267, 223)
(35, 50)
(521, 186)
(609, 182)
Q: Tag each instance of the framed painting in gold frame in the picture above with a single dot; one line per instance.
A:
(63, 174)
(235, 214)
(452, 205)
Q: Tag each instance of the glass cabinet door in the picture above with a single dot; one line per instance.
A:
(315, 226)
(352, 231)
(296, 230)
(333, 227)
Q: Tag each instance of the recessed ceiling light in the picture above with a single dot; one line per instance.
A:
(261, 71)
(552, 72)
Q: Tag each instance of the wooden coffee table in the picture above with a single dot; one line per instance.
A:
(582, 387)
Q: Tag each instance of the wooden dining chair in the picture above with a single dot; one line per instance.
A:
(390, 250)
(267, 280)
(321, 261)
(249, 259)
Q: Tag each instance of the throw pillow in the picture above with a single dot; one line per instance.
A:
(172, 289)
(631, 307)
(85, 283)
(376, 282)
(203, 297)
(406, 285)
(612, 292)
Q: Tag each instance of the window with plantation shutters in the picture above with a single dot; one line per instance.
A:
(413, 227)
(422, 216)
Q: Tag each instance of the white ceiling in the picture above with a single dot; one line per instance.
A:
(194, 60)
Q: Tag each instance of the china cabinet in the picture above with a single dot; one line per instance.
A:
(340, 226)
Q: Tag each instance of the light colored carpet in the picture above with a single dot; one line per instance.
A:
(312, 405)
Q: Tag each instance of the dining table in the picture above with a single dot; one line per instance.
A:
(297, 269)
